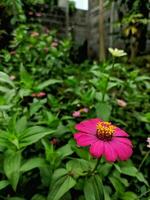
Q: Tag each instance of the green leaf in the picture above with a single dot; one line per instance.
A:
(65, 151)
(33, 134)
(104, 169)
(81, 152)
(4, 143)
(103, 110)
(47, 83)
(4, 89)
(129, 170)
(3, 184)
(36, 106)
(24, 92)
(117, 184)
(99, 187)
(58, 173)
(4, 78)
(46, 175)
(6, 54)
(89, 192)
(129, 196)
(38, 197)
(15, 198)
(12, 164)
(21, 125)
(79, 166)
(5, 107)
(93, 188)
(34, 2)
(10, 95)
(141, 178)
(102, 83)
(26, 78)
(32, 163)
(106, 193)
(61, 185)
(49, 150)
(132, 171)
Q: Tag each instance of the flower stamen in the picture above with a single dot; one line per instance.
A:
(105, 131)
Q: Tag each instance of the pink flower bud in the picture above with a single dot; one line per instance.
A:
(46, 49)
(121, 103)
(76, 114)
(12, 52)
(54, 44)
(34, 34)
(41, 94)
(38, 14)
(148, 140)
(54, 141)
(84, 110)
(34, 95)
(30, 13)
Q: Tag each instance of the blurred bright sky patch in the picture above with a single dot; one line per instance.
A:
(81, 4)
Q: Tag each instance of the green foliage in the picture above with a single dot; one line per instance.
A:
(93, 188)
(61, 183)
(103, 110)
(36, 134)
(27, 54)
(14, 8)
(3, 184)
(12, 164)
(133, 23)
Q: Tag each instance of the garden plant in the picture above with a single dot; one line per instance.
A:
(71, 131)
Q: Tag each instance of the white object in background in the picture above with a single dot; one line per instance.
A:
(62, 3)
(81, 4)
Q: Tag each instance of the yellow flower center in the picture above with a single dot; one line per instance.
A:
(105, 131)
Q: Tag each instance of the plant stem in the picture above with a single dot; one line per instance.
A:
(97, 163)
(113, 64)
(145, 157)
(104, 93)
(109, 74)
(143, 194)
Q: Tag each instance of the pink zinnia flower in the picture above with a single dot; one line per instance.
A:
(148, 140)
(84, 110)
(104, 139)
(76, 114)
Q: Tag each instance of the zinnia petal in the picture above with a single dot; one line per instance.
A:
(124, 151)
(97, 149)
(84, 139)
(88, 126)
(123, 140)
(119, 132)
(109, 152)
